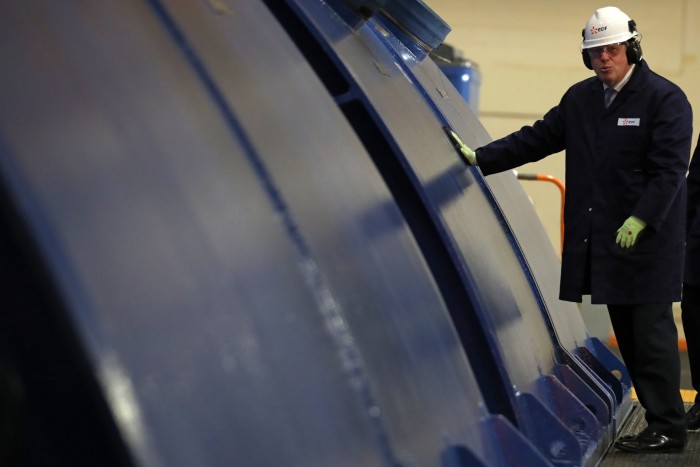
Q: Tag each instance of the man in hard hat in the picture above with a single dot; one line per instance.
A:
(627, 134)
(690, 304)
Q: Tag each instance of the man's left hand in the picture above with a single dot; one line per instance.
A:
(627, 234)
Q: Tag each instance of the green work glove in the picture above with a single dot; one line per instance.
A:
(468, 155)
(627, 234)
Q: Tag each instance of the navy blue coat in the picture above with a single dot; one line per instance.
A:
(692, 246)
(629, 159)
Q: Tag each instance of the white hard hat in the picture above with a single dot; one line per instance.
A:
(608, 25)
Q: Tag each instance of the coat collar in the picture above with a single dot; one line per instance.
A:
(637, 80)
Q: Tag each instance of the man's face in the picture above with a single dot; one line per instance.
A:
(610, 62)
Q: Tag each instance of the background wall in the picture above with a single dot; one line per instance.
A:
(528, 55)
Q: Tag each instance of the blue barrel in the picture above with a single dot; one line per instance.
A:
(238, 235)
(464, 74)
(466, 78)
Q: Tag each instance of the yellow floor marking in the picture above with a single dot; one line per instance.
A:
(687, 394)
(682, 344)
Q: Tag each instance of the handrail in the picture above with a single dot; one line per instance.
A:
(562, 190)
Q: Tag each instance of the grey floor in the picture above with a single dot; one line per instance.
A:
(635, 423)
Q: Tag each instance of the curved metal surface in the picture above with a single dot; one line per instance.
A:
(241, 280)
(417, 21)
(509, 302)
(267, 249)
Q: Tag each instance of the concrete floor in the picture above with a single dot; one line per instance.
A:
(690, 457)
(685, 372)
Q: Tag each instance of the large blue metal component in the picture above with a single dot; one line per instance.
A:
(261, 249)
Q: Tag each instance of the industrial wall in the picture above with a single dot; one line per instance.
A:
(528, 55)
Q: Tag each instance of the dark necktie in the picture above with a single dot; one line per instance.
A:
(609, 96)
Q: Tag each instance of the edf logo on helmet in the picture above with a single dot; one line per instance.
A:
(595, 30)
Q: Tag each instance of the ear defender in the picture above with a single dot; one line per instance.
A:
(584, 53)
(634, 47)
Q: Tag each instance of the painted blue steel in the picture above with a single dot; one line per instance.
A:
(571, 453)
(54, 246)
(364, 7)
(405, 63)
(598, 376)
(582, 390)
(418, 21)
(416, 49)
(490, 370)
(245, 239)
(354, 95)
(221, 274)
(603, 354)
(322, 292)
(611, 362)
(438, 111)
(599, 390)
(571, 335)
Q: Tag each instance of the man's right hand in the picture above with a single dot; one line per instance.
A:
(468, 155)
